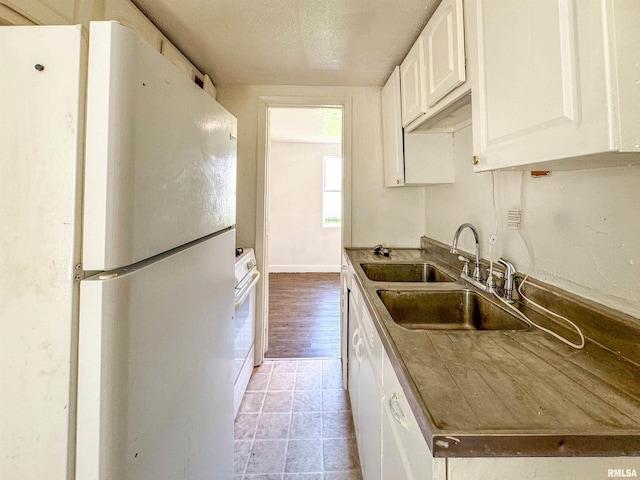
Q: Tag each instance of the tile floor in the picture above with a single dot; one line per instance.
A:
(295, 423)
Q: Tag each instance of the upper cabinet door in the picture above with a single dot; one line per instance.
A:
(444, 58)
(553, 82)
(433, 74)
(412, 74)
(392, 149)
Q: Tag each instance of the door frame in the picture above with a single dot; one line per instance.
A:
(262, 190)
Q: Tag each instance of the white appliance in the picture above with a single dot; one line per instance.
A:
(117, 188)
(244, 323)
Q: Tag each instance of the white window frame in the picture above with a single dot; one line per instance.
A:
(325, 223)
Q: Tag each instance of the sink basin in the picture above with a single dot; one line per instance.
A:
(404, 272)
(447, 310)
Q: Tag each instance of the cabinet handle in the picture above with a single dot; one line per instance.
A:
(474, 160)
(396, 411)
(357, 349)
(355, 339)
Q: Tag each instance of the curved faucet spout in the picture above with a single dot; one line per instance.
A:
(454, 247)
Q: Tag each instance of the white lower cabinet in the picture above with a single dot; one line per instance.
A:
(369, 403)
(405, 453)
(390, 443)
(354, 352)
(365, 386)
(368, 418)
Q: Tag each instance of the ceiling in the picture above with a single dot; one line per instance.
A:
(292, 42)
(305, 125)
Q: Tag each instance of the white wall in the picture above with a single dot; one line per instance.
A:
(583, 225)
(297, 240)
(392, 216)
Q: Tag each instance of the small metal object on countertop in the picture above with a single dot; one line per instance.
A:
(380, 250)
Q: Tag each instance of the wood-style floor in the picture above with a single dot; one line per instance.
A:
(304, 315)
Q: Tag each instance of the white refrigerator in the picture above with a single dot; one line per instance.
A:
(117, 211)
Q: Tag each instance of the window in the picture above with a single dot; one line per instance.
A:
(332, 191)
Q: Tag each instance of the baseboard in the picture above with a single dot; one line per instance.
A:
(304, 268)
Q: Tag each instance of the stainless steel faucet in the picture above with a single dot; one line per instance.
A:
(477, 275)
(476, 279)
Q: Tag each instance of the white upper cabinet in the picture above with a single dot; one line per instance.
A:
(435, 93)
(444, 58)
(556, 83)
(417, 158)
(392, 150)
(413, 86)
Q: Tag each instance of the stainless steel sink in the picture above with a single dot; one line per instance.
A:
(404, 272)
(447, 310)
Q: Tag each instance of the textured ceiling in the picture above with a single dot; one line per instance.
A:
(292, 42)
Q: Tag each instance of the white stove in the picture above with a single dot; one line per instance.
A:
(247, 276)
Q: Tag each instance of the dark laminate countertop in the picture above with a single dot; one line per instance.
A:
(511, 393)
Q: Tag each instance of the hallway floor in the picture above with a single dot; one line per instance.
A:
(295, 423)
(304, 315)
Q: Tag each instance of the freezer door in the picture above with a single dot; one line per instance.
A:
(160, 154)
(155, 381)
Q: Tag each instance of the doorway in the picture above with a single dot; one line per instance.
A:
(277, 257)
(304, 235)
(296, 412)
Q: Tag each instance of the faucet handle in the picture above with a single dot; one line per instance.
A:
(465, 269)
(509, 275)
(497, 273)
(507, 265)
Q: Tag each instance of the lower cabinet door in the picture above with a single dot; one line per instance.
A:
(405, 453)
(369, 420)
(353, 360)
(394, 459)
